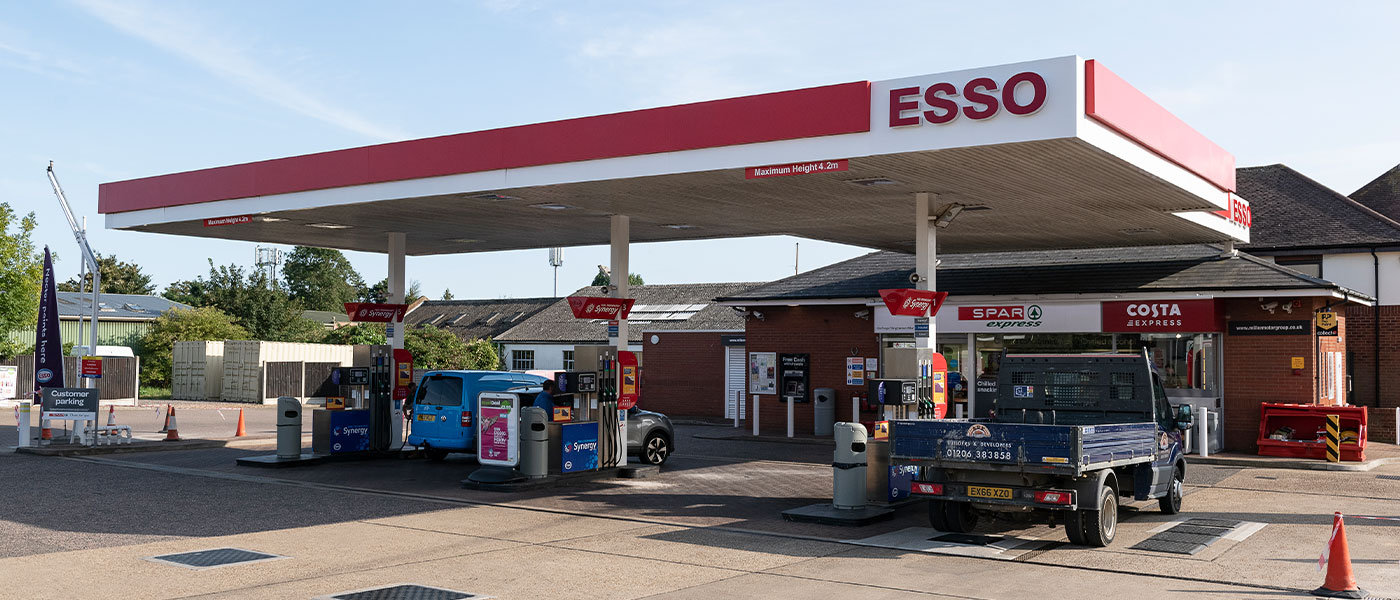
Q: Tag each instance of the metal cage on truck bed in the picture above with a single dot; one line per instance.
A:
(1073, 389)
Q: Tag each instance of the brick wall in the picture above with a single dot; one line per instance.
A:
(683, 374)
(1258, 368)
(829, 334)
(1361, 323)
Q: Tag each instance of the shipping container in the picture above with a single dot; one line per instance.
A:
(197, 371)
(246, 362)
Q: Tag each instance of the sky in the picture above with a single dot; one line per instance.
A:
(113, 90)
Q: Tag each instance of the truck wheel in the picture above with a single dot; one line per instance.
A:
(1171, 503)
(1074, 528)
(938, 515)
(960, 516)
(1101, 525)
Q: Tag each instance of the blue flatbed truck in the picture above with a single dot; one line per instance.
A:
(1068, 436)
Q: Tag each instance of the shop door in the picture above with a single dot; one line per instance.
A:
(734, 391)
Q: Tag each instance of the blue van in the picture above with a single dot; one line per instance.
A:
(444, 408)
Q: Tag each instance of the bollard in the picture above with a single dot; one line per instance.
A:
(855, 408)
(738, 403)
(1203, 431)
(960, 411)
(754, 413)
(848, 463)
(791, 401)
(23, 425)
(1334, 436)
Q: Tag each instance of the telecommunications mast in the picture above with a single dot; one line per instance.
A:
(556, 260)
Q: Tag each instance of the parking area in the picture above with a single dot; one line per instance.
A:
(707, 524)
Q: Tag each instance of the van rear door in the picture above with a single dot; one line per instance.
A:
(437, 411)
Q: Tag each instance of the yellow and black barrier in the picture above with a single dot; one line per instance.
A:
(1334, 436)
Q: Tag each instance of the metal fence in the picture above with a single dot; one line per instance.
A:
(120, 375)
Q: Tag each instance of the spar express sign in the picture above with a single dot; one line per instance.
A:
(1001, 317)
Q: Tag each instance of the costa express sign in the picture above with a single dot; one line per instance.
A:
(1161, 316)
(984, 96)
(913, 303)
(366, 312)
(591, 307)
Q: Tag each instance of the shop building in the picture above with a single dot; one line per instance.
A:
(1224, 327)
(1353, 242)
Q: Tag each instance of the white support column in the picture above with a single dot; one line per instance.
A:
(925, 256)
(398, 243)
(621, 228)
(972, 368)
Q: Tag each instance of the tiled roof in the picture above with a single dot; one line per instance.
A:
(1382, 194)
(1291, 211)
(469, 319)
(127, 307)
(1196, 267)
(658, 307)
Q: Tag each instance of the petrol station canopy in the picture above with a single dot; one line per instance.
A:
(1057, 153)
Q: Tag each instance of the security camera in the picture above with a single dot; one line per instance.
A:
(914, 278)
(757, 315)
(1288, 307)
(1269, 306)
(604, 290)
(863, 314)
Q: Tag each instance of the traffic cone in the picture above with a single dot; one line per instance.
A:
(45, 434)
(1340, 583)
(166, 427)
(241, 431)
(172, 433)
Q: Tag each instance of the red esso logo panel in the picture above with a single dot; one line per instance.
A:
(1021, 94)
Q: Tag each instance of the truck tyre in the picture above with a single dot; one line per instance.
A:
(937, 514)
(1073, 528)
(960, 516)
(1101, 525)
(1171, 503)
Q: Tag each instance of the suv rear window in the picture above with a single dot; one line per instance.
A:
(440, 391)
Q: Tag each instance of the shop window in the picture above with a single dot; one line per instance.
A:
(1307, 265)
(568, 360)
(522, 360)
(1187, 361)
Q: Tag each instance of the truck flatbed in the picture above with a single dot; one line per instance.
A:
(979, 444)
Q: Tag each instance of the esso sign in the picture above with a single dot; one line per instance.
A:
(983, 98)
(1238, 213)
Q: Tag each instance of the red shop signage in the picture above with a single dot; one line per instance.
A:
(1161, 316)
(591, 307)
(913, 303)
(361, 312)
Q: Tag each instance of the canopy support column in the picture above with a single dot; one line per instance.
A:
(925, 257)
(620, 227)
(398, 244)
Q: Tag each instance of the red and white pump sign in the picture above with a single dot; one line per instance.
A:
(591, 307)
(913, 303)
(362, 312)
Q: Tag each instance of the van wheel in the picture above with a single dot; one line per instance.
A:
(1101, 525)
(436, 455)
(938, 514)
(1171, 503)
(961, 517)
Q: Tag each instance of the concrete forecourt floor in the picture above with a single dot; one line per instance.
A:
(706, 526)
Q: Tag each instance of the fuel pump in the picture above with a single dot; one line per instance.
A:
(921, 376)
(382, 377)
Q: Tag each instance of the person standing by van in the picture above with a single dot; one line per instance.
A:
(545, 399)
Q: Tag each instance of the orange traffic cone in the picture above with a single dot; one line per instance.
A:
(241, 431)
(1340, 583)
(111, 417)
(166, 427)
(172, 433)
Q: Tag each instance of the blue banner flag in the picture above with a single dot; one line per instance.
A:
(48, 346)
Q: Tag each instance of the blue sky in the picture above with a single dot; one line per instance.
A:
(114, 90)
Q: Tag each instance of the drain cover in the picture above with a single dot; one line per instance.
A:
(967, 538)
(217, 557)
(1159, 545)
(1392, 477)
(407, 591)
(1214, 522)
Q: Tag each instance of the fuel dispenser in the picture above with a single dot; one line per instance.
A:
(372, 417)
(921, 376)
(602, 405)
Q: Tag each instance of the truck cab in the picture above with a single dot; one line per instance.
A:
(1069, 436)
(444, 407)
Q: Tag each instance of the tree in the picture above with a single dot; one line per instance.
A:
(118, 277)
(181, 325)
(358, 333)
(447, 294)
(602, 279)
(267, 313)
(321, 278)
(483, 354)
(21, 274)
(379, 292)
